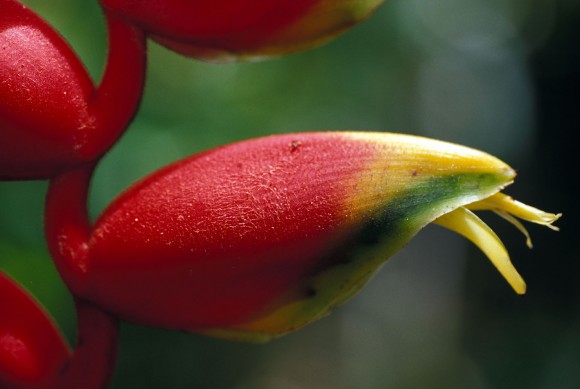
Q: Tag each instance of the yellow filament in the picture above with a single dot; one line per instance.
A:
(467, 224)
(517, 224)
(502, 202)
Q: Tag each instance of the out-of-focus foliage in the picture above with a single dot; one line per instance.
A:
(496, 75)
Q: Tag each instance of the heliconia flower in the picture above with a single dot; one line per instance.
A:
(33, 352)
(227, 30)
(258, 238)
(52, 117)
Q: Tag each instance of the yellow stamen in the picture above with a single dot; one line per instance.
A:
(517, 224)
(467, 224)
(502, 202)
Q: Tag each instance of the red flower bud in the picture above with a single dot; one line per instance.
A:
(258, 238)
(32, 350)
(225, 30)
(51, 116)
(44, 90)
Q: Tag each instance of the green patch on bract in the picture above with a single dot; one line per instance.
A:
(348, 267)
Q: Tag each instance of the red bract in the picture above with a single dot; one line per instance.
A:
(33, 352)
(44, 91)
(258, 238)
(51, 116)
(225, 30)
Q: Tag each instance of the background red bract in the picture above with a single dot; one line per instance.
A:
(206, 19)
(227, 31)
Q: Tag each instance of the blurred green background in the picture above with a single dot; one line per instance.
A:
(498, 75)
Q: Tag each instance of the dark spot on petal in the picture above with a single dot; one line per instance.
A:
(295, 145)
(311, 292)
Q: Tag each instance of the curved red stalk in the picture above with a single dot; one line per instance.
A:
(112, 108)
(67, 232)
(118, 95)
(67, 225)
(93, 361)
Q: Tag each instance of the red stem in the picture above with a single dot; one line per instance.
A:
(113, 106)
(67, 225)
(67, 233)
(93, 361)
(118, 95)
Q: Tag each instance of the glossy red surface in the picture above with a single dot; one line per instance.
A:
(44, 93)
(214, 239)
(247, 21)
(226, 31)
(52, 118)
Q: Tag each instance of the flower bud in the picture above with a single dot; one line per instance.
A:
(226, 30)
(44, 90)
(33, 352)
(256, 239)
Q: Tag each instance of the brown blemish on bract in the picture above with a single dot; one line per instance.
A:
(295, 145)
